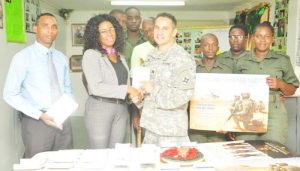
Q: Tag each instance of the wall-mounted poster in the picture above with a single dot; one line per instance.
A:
(230, 102)
(32, 11)
(189, 39)
(280, 25)
(1, 14)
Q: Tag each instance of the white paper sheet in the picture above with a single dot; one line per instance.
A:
(139, 74)
(121, 155)
(29, 164)
(62, 109)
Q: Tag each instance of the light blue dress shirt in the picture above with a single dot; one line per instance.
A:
(27, 86)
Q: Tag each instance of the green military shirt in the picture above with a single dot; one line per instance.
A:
(128, 48)
(274, 64)
(219, 67)
(228, 58)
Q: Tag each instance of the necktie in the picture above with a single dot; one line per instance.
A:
(54, 85)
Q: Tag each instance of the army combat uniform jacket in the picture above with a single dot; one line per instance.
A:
(165, 108)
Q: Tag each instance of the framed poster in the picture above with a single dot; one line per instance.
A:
(32, 11)
(1, 14)
(77, 34)
(230, 102)
(75, 63)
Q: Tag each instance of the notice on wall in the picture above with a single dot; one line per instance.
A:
(230, 102)
(14, 21)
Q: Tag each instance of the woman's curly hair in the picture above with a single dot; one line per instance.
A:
(91, 33)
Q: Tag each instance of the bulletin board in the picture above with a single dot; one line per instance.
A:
(280, 25)
(32, 11)
(189, 39)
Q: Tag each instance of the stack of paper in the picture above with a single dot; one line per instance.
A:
(148, 156)
(121, 155)
(29, 164)
(93, 159)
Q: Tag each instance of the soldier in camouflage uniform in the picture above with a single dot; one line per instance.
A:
(282, 80)
(245, 112)
(210, 63)
(164, 115)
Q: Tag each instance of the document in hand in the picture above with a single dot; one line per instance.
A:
(139, 74)
(62, 109)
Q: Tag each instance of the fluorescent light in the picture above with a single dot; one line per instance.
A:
(149, 2)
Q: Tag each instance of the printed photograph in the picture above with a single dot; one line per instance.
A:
(32, 14)
(75, 63)
(239, 105)
(77, 34)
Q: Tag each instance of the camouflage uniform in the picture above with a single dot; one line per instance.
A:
(245, 113)
(279, 66)
(164, 114)
(220, 66)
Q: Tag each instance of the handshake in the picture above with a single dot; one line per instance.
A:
(137, 95)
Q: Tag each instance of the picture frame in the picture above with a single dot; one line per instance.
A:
(32, 14)
(1, 14)
(75, 63)
(77, 34)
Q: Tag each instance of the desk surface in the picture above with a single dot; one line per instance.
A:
(236, 155)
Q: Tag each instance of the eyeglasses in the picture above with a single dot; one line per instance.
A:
(236, 37)
(106, 31)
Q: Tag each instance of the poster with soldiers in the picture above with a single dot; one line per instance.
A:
(230, 102)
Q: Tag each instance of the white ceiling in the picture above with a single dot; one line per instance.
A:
(206, 5)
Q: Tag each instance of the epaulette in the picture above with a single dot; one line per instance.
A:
(225, 53)
(281, 54)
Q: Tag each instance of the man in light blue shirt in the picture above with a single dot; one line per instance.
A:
(29, 89)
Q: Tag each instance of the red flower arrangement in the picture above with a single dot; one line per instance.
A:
(181, 153)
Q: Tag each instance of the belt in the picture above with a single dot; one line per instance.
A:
(109, 100)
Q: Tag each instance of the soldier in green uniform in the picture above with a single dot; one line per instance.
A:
(133, 36)
(282, 80)
(237, 40)
(210, 63)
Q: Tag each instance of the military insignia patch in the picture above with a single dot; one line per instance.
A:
(186, 80)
